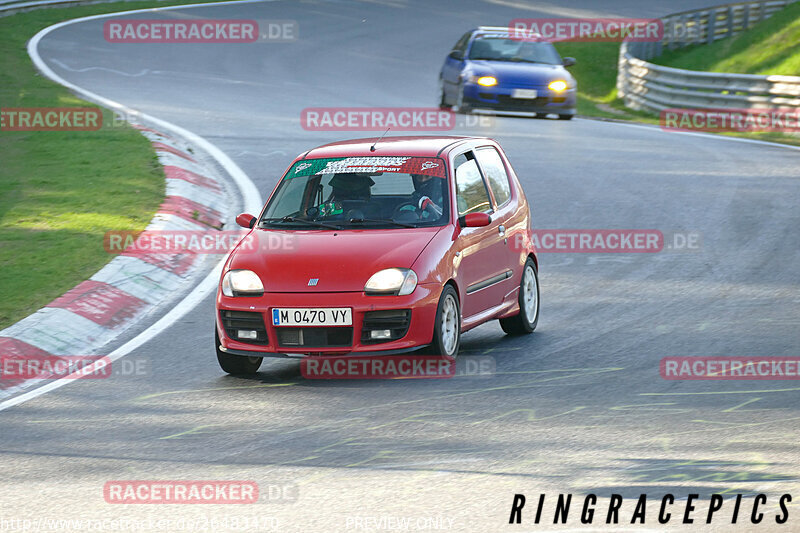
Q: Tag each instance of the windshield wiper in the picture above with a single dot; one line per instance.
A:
(381, 221)
(301, 221)
(523, 60)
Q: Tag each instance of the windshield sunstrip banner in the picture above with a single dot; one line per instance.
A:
(428, 166)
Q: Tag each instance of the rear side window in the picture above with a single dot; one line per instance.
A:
(495, 172)
(471, 194)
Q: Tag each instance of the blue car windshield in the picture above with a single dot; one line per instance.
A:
(506, 49)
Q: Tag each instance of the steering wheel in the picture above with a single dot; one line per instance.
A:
(401, 209)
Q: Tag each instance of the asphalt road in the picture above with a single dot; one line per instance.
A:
(577, 407)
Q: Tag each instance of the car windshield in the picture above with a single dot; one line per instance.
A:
(360, 192)
(507, 49)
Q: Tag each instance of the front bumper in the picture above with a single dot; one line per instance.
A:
(422, 304)
(499, 98)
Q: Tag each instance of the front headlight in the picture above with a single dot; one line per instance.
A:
(396, 281)
(558, 86)
(486, 81)
(242, 283)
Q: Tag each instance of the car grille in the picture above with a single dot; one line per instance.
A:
(319, 337)
(522, 102)
(235, 321)
(396, 321)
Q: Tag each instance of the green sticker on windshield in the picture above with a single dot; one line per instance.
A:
(330, 208)
(309, 167)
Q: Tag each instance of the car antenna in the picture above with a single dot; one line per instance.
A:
(372, 148)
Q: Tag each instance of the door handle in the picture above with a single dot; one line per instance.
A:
(501, 229)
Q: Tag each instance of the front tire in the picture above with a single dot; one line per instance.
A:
(461, 107)
(447, 328)
(564, 117)
(236, 365)
(525, 321)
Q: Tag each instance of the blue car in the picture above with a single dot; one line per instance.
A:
(489, 69)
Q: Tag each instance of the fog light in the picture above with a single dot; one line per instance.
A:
(247, 334)
(380, 334)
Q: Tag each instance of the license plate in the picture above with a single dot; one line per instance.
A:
(322, 316)
(524, 93)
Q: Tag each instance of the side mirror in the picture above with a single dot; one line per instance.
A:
(246, 221)
(568, 61)
(456, 54)
(474, 220)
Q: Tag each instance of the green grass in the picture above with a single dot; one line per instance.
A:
(61, 191)
(771, 47)
(596, 72)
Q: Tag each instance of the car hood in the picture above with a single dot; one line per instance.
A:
(511, 73)
(342, 261)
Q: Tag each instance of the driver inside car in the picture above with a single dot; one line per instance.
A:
(428, 194)
(347, 188)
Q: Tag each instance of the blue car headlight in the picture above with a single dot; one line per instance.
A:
(483, 81)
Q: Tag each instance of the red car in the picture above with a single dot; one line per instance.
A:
(382, 247)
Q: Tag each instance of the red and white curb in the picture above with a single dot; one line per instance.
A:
(129, 287)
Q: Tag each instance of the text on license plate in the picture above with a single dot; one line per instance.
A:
(524, 93)
(323, 316)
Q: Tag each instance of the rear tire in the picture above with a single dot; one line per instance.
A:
(525, 321)
(564, 117)
(442, 100)
(237, 365)
(447, 328)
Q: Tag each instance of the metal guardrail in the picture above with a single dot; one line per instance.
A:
(646, 86)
